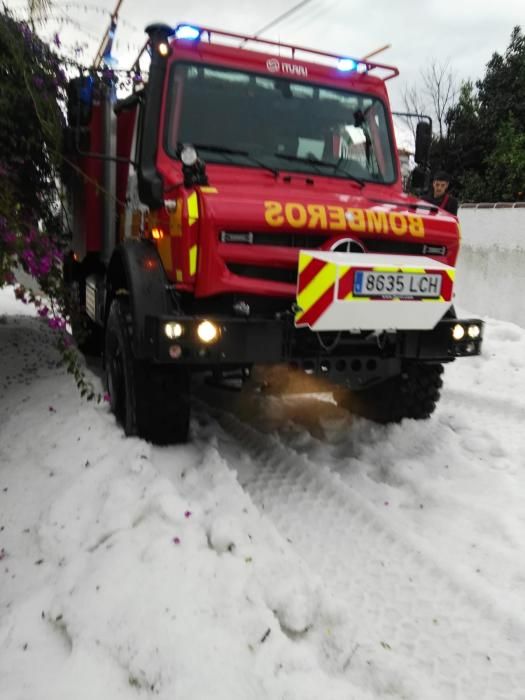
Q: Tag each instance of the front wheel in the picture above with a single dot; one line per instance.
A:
(150, 401)
(412, 394)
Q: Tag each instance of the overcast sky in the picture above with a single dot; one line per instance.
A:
(465, 32)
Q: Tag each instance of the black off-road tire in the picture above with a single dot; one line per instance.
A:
(412, 394)
(152, 402)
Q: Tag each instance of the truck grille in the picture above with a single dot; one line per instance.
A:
(279, 239)
(377, 245)
(307, 240)
(261, 272)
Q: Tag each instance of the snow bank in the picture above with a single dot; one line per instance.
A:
(491, 264)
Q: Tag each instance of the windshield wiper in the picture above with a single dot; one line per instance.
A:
(300, 159)
(234, 152)
(315, 162)
(347, 174)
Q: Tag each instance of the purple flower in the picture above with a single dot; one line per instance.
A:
(43, 311)
(106, 397)
(56, 40)
(176, 540)
(38, 82)
(57, 324)
(45, 265)
(187, 514)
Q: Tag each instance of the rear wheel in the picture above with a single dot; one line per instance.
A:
(412, 394)
(150, 401)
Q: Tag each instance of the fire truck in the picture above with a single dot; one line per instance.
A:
(242, 207)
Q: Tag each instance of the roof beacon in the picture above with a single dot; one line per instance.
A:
(346, 64)
(186, 31)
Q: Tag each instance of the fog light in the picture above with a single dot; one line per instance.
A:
(474, 331)
(470, 348)
(458, 332)
(207, 331)
(173, 330)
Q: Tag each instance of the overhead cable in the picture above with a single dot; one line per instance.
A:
(280, 18)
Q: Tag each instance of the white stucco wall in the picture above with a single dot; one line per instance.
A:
(491, 264)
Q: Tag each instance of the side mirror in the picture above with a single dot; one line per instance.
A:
(419, 181)
(423, 141)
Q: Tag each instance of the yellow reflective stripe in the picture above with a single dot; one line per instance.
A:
(417, 270)
(298, 316)
(209, 190)
(193, 208)
(178, 275)
(324, 279)
(451, 274)
(304, 259)
(193, 260)
(385, 269)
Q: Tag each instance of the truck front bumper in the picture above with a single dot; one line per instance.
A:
(370, 356)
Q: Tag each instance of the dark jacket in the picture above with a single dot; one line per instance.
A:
(447, 202)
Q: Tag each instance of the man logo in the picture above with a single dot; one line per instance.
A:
(273, 65)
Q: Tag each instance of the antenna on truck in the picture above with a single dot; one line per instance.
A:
(104, 50)
(376, 51)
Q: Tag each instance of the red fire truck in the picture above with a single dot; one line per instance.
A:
(243, 207)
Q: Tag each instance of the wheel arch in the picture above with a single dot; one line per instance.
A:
(136, 270)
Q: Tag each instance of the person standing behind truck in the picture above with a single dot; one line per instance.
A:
(440, 195)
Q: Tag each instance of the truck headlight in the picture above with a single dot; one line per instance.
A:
(173, 330)
(474, 331)
(207, 331)
(458, 332)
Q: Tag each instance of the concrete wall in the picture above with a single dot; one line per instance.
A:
(491, 264)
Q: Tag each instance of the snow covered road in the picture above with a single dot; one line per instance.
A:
(289, 552)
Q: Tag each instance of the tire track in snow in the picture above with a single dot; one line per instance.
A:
(464, 644)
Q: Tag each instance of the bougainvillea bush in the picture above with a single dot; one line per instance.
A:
(32, 235)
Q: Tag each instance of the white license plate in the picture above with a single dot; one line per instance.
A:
(369, 283)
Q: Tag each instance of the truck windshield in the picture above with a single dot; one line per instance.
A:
(283, 124)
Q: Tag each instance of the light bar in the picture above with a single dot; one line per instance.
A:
(186, 31)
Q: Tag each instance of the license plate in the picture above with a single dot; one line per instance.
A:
(369, 283)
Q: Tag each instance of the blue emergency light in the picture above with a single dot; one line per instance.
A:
(346, 65)
(186, 31)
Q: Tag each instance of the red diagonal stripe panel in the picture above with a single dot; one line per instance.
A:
(446, 287)
(346, 283)
(310, 271)
(317, 310)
